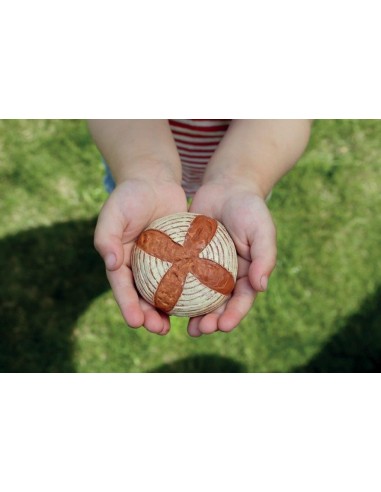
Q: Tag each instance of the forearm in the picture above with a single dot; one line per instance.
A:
(258, 152)
(136, 148)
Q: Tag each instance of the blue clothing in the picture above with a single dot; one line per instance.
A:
(108, 180)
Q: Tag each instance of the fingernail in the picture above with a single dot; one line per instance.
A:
(264, 281)
(110, 260)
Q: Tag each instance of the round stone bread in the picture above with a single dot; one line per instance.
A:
(185, 264)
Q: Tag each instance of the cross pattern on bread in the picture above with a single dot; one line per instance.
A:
(185, 259)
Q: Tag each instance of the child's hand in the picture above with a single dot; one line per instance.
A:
(127, 212)
(251, 158)
(245, 215)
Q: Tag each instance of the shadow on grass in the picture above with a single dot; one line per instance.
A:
(49, 275)
(203, 363)
(357, 346)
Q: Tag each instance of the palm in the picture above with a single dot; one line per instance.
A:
(246, 217)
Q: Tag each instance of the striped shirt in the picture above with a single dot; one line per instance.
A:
(196, 140)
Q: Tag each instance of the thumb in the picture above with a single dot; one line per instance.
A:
(108, 236)
(263, 253)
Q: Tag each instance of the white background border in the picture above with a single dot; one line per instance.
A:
(182, 432)
(123, 59)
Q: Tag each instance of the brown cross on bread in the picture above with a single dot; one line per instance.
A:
(185, 259)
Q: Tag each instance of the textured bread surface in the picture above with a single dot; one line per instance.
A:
(185, 264)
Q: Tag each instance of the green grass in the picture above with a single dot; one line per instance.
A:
(323, 308)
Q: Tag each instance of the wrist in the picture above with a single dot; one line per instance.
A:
(150, 170)
(236, 183)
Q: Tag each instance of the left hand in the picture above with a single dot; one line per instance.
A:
(244, 213)
(129, 209)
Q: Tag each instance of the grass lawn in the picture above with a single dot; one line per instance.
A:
(323, 308)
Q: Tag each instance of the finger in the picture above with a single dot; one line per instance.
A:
(108, 235)
(126, 296)
(263, 254)
(209, 322)
(153, 320)
(166, 323)
(238, 306)
(165, 330)
(193, 327)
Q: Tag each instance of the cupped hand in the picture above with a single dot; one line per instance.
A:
(244, 213)
(130, 208)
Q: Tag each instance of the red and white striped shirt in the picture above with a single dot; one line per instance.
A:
(196, 140)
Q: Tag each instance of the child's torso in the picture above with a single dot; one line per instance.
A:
(196, 140)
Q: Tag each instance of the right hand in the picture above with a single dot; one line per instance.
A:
(130, 208)
(242, 209)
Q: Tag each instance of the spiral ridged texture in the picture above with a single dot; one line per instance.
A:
(185, 264)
